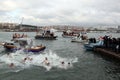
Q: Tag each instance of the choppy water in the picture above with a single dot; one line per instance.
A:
(84, 65)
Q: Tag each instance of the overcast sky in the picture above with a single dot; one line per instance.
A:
(61, 12)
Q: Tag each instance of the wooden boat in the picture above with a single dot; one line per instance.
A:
(24, 43)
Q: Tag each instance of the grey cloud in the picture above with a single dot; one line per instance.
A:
(64, 11)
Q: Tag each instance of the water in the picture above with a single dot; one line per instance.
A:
(84, 65)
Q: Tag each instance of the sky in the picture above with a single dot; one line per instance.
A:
(61, 12)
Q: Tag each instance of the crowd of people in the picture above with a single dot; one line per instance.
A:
(112, 43)
(92, 40)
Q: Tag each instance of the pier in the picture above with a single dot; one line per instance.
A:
(107, 52)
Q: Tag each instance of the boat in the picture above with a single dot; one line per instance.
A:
(23, 43)
(17, 36)
(90, 46)
(46, 34)
(69, 34)
(80, 39)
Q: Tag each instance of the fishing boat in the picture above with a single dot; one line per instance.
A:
(46, 34)
(69, 34)
(23, 43)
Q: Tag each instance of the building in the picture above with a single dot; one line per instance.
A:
(8, 25)
(16, 27)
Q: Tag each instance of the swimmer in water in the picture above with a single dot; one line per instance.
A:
(68, 63)
(28, 58)
(24, 59)
(11, 65)
(62, 62)
(31, 59)
(46, 61)
(9, 55)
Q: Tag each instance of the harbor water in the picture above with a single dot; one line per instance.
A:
(84, 65)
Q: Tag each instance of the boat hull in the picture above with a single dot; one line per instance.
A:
(88, 47)
(92, 46)
(37, 50)
(78, 40)
(68, 36)
(46, 38)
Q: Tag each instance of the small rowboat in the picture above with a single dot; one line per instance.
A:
(25, 44)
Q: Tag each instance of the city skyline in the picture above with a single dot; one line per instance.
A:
(61, 12)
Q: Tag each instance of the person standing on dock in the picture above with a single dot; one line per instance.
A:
(117, 48)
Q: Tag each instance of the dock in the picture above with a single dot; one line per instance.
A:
(108, 53)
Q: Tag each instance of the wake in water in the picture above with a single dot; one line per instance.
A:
(18, 60)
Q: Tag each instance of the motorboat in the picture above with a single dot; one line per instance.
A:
(46, 34)
(78, 39)
(90, 46)
(23, 43)
(69, 34)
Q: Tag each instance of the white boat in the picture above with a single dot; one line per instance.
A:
(81, 38)
(78, 39)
